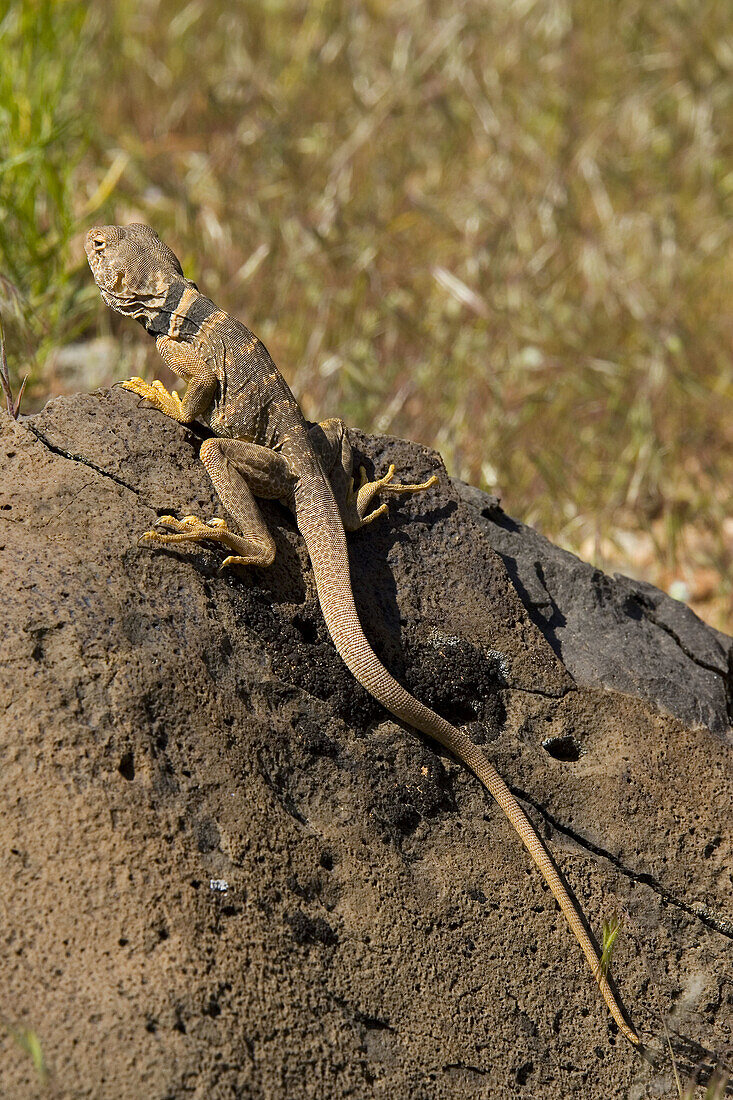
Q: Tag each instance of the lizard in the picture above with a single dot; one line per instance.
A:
(263, 446)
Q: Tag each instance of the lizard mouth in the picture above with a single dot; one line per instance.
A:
(105, 275)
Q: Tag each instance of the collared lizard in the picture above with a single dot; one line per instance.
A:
(263, 446)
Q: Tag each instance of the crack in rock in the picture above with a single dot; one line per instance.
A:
(79, 458)
(702, 913)
(466, 1067)
(726, 674)
(616, 633)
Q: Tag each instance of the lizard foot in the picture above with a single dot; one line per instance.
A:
(362, 495)
(157, 395)
(247, 551)
(188, 529)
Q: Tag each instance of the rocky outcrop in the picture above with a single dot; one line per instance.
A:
(227, 872)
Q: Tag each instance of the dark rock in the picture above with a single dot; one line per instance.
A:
(616, 633)
(227, 872)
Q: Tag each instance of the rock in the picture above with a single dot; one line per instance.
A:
(616, 633)
(228, 873)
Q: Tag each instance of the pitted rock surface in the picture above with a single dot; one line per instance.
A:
(228, 873)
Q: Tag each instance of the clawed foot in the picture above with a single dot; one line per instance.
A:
(157, 395)
(251, 551)
(361, 495)
(188, 529)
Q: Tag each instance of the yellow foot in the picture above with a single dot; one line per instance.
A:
(157, 395)
(188, 529)
(366, 490)
(386, 486)
(235, 559)
(247, 551)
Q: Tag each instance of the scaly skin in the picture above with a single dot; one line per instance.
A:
(263, 446)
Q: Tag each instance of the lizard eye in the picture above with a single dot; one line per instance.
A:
(99, 243)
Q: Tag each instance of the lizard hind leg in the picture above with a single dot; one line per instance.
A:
(360, 497)
(238, 470)
(253, 550)
(331, 441)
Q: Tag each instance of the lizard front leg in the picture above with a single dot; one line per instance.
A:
(183, 361)
(330, 440)
(237, 470)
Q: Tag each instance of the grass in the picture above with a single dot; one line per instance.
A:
(28, 1041)
(610, 929)
(12, 402)
(502, 229)
(716, 1087)
(42, 143)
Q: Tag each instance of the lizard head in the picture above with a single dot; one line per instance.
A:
(132, 267)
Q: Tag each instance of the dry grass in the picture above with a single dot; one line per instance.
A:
(500, 228)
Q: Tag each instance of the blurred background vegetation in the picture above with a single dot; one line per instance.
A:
(499, 228)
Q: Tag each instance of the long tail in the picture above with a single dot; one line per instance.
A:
(328, 552)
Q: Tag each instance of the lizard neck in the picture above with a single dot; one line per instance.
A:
(176, 310)
(181, 314)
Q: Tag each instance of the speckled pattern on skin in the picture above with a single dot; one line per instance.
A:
(263, 446)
